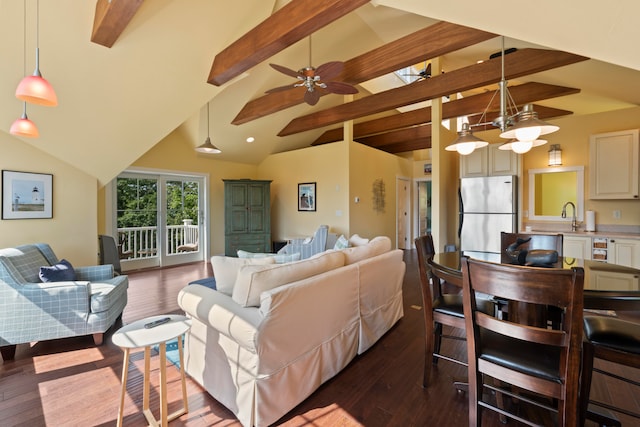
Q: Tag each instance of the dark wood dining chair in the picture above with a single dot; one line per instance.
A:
(541, 360)
(537, 241)
(440, 308)
(613, 340)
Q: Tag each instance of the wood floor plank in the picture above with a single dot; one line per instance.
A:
(70, 382)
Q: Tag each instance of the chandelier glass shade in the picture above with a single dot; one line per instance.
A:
(466, 142)
(528, 127)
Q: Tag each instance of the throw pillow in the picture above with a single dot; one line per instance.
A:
(341, 243)
(60, 272)
(356, 240)
(247, 254)
(225, 269)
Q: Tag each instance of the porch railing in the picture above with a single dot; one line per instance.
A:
(142, 242)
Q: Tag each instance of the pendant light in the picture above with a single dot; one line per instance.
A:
(528, 127)
(521, 147)
(35, 89)
(23, 126)
(466, 142)
(207, 147)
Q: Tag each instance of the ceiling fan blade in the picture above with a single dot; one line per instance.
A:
(285, 70)
(340, 88)
(329, 70)
(311, 97)
(281, 88)
(427, 70)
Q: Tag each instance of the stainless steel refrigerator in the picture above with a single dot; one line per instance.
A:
(488, 206)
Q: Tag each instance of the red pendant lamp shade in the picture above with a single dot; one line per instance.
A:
(24, 127)
(35, 89)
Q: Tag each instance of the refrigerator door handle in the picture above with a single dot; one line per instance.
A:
(460, 214)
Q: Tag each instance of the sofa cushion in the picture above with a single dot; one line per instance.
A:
(252, 280)
(225, 269)
(378, 245)
(25, 261)
(60, 272)
(279, 258)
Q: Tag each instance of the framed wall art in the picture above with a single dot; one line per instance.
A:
(26, 195)
(307, 196)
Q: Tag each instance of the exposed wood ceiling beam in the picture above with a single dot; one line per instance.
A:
(291, 23)
(433, 41)
(402, 140)
(517, 64)
(403, 147)
(111, 18)
(471, 105)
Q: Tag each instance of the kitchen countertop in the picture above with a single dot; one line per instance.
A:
(614, 231)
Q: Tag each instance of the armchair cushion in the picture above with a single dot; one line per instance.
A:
(60, 272)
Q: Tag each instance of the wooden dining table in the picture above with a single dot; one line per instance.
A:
(606, 286)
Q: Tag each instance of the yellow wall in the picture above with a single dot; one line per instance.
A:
(176, 153)
(327, 165)
(573, 138)
(367, 165)
(72, 232)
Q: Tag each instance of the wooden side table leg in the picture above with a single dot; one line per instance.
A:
(184, 382)
(163, 384)
(123, 392)
(145, 386)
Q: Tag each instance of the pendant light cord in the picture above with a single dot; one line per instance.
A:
(208, 136)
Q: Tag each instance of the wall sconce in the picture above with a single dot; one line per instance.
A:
(555, 155)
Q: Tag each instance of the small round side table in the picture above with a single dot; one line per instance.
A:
(136, 335)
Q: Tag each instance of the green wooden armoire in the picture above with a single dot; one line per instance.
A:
(247, 216)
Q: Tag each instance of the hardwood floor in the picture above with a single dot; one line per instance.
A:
(70, 382)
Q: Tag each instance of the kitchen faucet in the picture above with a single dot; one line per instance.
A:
(574, 223)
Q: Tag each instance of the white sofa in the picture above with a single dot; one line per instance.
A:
(264, 344)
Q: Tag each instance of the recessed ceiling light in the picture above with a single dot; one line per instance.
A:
(250, 139)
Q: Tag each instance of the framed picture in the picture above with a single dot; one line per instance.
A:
(26, 195)
(307, 196)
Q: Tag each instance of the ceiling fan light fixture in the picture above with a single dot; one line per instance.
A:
(528, 127)
(466, 142)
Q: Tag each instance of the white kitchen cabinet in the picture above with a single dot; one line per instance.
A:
(604, 280)
(489, 161)
(576, 246)
(614, 163)
(624, 252)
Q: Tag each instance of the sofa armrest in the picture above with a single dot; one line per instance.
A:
(222, 313)
(53, 297)
(94, 273)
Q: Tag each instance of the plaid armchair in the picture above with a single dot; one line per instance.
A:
(32, 311)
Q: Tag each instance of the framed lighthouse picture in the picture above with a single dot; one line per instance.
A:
(26, 195)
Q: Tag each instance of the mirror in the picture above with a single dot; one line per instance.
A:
(551, 188)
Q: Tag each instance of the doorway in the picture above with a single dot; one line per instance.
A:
(422, 205)
(403, 217)
(160, 219)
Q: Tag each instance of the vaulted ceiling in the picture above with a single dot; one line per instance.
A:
(128, 73)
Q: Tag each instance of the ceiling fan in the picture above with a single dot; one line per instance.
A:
(312, 78)
(425, 73)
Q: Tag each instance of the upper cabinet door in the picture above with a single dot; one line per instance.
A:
(489, 161)
(614, 159)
